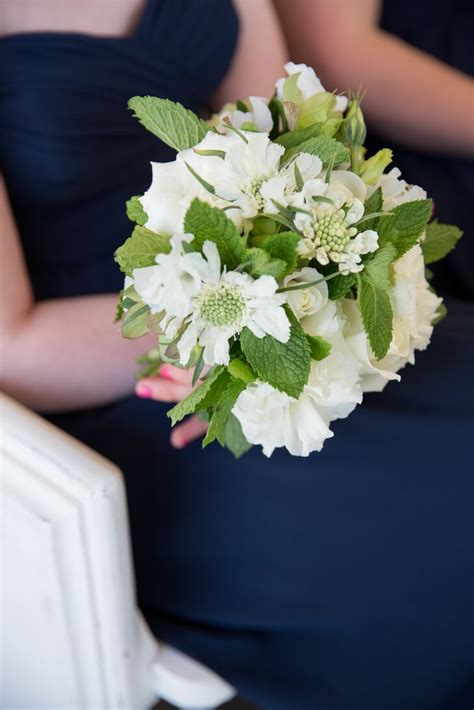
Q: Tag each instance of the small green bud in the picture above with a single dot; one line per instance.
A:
(353, 128)
(372, 169)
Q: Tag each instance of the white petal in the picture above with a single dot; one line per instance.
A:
(187, 342)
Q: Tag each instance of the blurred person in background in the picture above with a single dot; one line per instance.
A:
(336, 582)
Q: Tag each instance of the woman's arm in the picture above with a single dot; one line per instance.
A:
(410, 96)
(58, 354)
(260, 55)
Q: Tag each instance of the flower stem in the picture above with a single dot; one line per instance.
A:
(308, 284)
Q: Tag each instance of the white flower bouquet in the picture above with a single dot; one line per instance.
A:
(277, 260)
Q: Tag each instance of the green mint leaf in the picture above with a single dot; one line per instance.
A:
(140, 249)
(293, 138)
(213, 397)
(283, 246)
(234, 438)
(285, 366)
(405, 225)
(193, 400)
(221, 413)
(328, 149)
(258, 262)
(440, 240)
(377, 316)
(340, 285)
(377, 270)
(135, 322)
(320, 348)
(210, 223)
(171, 122)
(373, 204)
(135, 211)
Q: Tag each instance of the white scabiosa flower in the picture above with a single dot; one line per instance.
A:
(225, 303)
(396, 191)
(329, 235)
(258, 114)
(308, 83)
(414, 309)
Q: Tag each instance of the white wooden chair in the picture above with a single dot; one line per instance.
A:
(72, 637)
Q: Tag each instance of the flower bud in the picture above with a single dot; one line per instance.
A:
(354, 130)
(372, 169)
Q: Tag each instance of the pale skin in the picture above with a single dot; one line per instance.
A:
(410, 97)
(67, 354)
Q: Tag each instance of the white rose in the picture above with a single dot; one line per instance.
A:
(307, 301)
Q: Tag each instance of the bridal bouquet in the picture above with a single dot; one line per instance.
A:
(280, 262)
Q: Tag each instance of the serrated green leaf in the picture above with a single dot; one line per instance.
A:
(170, 121)
(140, 249)
(340, 285)
(440, 240)
(377, 270)
(216, 391)
(192, 401)
(320, 348)
(221, 413)
(258, 262)
(135, 322)
(327, 149)
(377, 316)
(135, 211)
(294, 138)
(405, 225)
(372, 205)
(283, 246)
(285, 366)
(210, 223)
(234, 438)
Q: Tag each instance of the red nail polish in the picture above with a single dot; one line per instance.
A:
(144, 391)
(165, 372)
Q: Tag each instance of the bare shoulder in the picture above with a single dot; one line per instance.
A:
(97, 17)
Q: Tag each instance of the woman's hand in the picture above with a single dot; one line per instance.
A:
(171, 385)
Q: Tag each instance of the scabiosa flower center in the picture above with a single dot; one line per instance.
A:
(221, 304)
(330, 230)
(252, 189)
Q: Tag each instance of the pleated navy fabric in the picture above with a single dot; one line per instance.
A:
(337, 582)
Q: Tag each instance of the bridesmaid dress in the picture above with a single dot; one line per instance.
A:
(337, 582)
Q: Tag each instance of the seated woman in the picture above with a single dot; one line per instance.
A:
(334, 582)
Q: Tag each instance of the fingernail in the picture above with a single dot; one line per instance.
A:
(144, 391)
(165, 372)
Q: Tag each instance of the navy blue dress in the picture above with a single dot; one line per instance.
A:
(337, 582)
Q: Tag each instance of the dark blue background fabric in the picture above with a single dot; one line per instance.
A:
(337, 582)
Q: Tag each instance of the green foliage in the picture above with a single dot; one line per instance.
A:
(234, 439)
(135, 322)
(241, 371)
(340, 285)
(440, 240)
(285, 366)
(320, 348)
(258, 262)
(291, 139)
(377, 270)
(327, 149)
(135, 211)
(192, 401)
(283, 246)
(210, 223)
(373, 205)
(171, 122)
(221, 412)
(377, 316)
(405, 225)
(140, 249)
